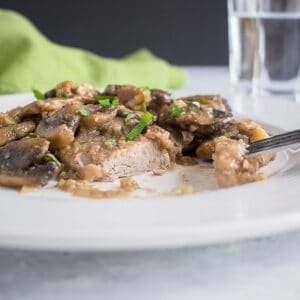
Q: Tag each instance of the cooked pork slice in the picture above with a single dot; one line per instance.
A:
(232, 168)
(15, 131)
(20, 163)
(104, 157)
(59, 127)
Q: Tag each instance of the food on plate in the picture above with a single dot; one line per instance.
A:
(76, 134)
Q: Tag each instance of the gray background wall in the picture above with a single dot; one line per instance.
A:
(184, 32)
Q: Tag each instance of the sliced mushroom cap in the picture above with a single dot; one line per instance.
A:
(20, 163)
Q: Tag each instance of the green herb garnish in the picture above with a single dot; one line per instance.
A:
(38, 94)
(129, 117)
(137, 130)
(195, 103)
(51, 157)
(14, 128)
(176, 110)
(104, 102)
(107, 101)
(33, 135)
(63, 94)
(110, 142)
(102, 97)
(115, 102)
(84, 112)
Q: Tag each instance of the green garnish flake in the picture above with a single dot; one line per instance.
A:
(144, 105)
(195, 103)
(115, 102)
(15, 130)
(38, 94)
(52, 158)
(63, 94)
(102, 97)
(176, 110)
(107, 101)
(129, 117)
(110, 142)
(84, 112)
(104, 102)
(16, 115)
(33, 135)
(137, 130)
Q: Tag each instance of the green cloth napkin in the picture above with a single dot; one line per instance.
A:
(29, 60)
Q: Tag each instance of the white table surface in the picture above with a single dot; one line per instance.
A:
(267, 268)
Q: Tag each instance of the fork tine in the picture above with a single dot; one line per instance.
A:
(276, 141)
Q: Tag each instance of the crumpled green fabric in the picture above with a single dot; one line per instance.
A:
(29, 60)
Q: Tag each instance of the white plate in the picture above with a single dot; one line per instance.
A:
(54, 220)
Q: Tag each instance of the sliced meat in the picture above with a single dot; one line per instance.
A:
(59, 127)
(20, 163)
(232, 168)
(164, 139)
(15, 131)
(97, 157)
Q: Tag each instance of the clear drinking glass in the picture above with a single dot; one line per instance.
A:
(264, 45)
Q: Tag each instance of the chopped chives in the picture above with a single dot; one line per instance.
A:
(129, 117)
(176, 110)
(110, 142)
(52, 158)
(84, 112)
(137, 130)
(33, 135)
(104, 102)
(14, 128)
(195, 103)
(38, 94)
(63, 94)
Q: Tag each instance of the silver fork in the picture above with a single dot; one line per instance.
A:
(276, 142)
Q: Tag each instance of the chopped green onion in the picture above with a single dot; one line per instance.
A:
(144, 105)
(63, 94)
(176, 110)
(195, 103)
(14, 128)
(102, 97)
(33, 135)
(16, 115)
(84, 112)
(38, 94)
(110, 142)
(104, 102)
(129, 117)
(51, 157)
(115, 102)
(107, 101)
(137, 130)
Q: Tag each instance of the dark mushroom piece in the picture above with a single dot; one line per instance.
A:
(20, 163)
